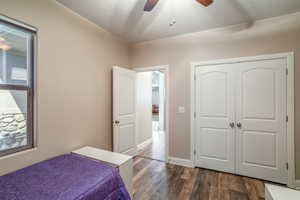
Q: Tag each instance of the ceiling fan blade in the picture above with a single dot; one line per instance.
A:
(205, 2)
(150, 4)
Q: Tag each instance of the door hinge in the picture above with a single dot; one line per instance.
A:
(194, 151)
(287, 166)
(195, 115)
(287, 71)
(194, 77)
(287, 119)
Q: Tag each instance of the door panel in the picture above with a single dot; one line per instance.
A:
(255, 140)
(261, 108)
(124, 111)
(126, 134)
(217, 137)
(126, 94)
(214, 106)
(213, 103)
(259, 89)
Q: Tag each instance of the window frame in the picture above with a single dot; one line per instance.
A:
(29, 88)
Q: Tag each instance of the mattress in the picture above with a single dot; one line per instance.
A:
(66, 177)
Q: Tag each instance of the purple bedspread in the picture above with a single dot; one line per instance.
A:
(66, 177)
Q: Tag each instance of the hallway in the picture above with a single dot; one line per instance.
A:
(156, 148)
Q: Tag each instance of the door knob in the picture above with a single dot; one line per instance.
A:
(117, 122)
(231, 124)
(239, 125)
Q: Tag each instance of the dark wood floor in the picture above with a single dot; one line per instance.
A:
(157, 180)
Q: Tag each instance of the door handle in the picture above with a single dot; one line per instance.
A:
(117, 122)
(239, 125)
(231, 124)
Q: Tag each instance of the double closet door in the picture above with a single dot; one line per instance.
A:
(240, 124)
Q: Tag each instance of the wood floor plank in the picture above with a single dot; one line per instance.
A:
(236, 183)
(201, 189)
(223, 194)
(156, 180)
(235, 195)
(254, 188)
(189, 176)
(176, 183)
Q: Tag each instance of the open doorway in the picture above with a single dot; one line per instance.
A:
(152, 114)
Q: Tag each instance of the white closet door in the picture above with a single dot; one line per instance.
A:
(214, 101)
(261, 108)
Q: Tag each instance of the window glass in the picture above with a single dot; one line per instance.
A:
(16, 88)
(15, 54)
(13, 119)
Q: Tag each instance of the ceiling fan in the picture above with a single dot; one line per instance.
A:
(150, 4)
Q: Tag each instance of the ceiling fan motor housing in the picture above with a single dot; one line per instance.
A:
(205, 2)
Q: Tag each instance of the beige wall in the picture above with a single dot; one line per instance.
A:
(73, 80)
(265, 37)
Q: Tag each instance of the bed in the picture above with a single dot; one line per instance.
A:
(66, 177)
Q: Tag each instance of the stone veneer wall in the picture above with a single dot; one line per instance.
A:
(12, 130)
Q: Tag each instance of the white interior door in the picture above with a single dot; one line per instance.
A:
(214, 102)
(124, 139)
(261, 112)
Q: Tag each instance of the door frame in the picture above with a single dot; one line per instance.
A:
(289, 57)
(167, 100)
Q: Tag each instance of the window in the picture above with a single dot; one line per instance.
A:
(16, 87)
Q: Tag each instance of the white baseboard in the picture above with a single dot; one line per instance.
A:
(180, 162)
(145, 143)
(298, 184)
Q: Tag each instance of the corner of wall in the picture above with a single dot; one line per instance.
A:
(298, 184)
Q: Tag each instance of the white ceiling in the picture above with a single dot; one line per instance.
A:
(127, 19)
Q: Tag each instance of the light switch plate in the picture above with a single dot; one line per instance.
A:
(181, 109)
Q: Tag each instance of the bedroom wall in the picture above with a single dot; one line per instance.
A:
(73, 80)
(264, 37)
